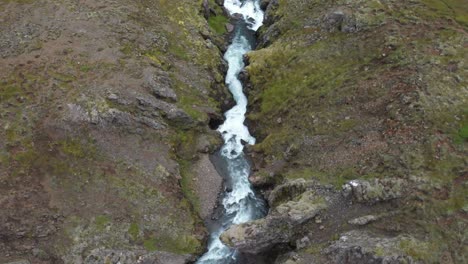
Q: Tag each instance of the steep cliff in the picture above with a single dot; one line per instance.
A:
(366, 101)
(105, 108)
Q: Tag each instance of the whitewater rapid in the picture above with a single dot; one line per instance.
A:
(240, 203)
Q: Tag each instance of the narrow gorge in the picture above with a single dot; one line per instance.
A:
(240, 203)
(233, 132)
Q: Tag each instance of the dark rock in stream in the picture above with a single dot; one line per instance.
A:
(302, 202)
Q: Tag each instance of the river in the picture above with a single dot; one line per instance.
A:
(240, 202)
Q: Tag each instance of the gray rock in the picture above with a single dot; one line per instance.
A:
(207, 185)
(305, 208)
(160, 85)
(209, 142)
(258, 236)
(340, 21)
(376, 190)
(356, 247)
(363, 220)
(99, 256)
(114, 116)
(23, 261)
(303, 243)
(297, 203)
(288, 191)
(150, 122)
(41, 254)
(170, 111)
(229, 27)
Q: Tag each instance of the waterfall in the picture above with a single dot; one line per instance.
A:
(240, 203)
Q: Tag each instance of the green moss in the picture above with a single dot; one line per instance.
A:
(101, 222)
(306, 173)
(456, 9)
(127, 49)
(63, 77)
(86, 68)
(179, 51)
(134, 231)
(379, 251)
(188, 104)
(150, 244)
(314, 249)
(157, 58)
(188, 186)
(463, 132)
(74, 147)
(8, 91)
(417, 249)
(218, 23)
(181, 244)
(174, 243)
(19, 1)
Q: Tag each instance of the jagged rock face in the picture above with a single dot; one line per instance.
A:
(301, 210)
(284, 221)
(378, 190)
(160, 85)
(104, 111)
(361, 247)
(367, 96)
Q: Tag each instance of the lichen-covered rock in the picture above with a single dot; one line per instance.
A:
(284, 221)
(288, 191)
(356, 247)
(257, 236)
(307, 206)
(341, 21)
(363, 220)
(160, 85)
(170, 111)
(377, 190)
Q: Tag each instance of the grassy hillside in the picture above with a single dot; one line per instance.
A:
(346, 90)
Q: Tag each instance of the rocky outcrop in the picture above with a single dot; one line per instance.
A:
(377, 190)
(285, 221)
(208, 185)
(160, 85)
(288, 191)
(170, 111)
(301, 210)
(356, 94)
(361, 247)
(99, 256)
(105, 108)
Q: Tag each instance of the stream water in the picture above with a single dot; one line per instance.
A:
(240, 202)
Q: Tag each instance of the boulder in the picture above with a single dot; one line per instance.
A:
(257, 236)
(160, 85)
(340, 21)
(170, 111)
(305, 208)
(363, 220)
(295, 204)
(288, 191)
(357, 246)
(376, 190)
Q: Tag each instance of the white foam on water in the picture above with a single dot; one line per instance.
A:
(250, 11)
(240, 204)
